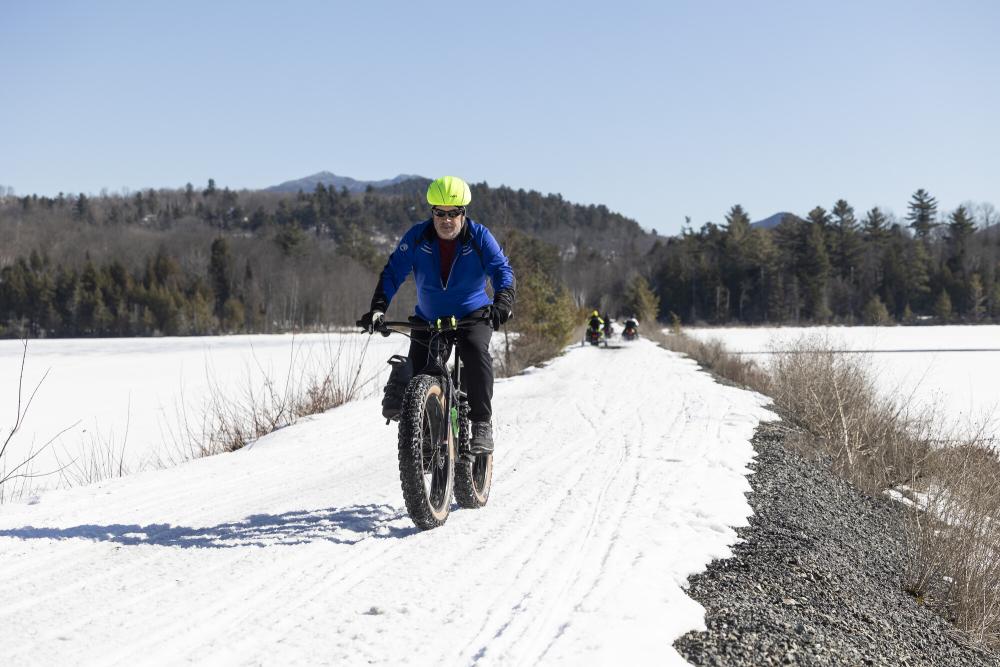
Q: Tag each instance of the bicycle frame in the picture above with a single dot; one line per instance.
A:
(443, 337)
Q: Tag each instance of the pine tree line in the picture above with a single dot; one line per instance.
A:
(201, 261)
(832, 267)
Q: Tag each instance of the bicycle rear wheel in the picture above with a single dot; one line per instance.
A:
(426, 453)
(473, 473)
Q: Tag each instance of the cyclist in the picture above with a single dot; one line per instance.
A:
(451, 256)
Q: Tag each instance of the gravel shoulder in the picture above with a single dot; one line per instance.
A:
(816, 579)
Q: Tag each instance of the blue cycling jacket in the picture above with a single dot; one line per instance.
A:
(477, 257)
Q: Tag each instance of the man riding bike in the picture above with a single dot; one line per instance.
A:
(451, 256)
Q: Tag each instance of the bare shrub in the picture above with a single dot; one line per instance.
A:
(15, 479)
(524, 350)
(714, 356)
(954, 538)
(101, 456)
(874, 441)
(310, 386)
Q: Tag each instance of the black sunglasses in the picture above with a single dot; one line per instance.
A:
(438, 213)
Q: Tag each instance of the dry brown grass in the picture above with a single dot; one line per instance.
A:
(873, 440)
(713, 356)
(521, 351)
(267, 404)
(954, 531)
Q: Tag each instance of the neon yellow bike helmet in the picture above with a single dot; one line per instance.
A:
(594, 314)
(449, 191)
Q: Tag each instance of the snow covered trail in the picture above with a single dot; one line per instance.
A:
(618, 473)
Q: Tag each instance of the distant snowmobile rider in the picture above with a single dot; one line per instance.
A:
(596, 323)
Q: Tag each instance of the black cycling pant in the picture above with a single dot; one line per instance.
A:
(477, 365)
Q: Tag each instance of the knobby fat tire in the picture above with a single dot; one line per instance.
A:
(422, 393)
(470, 492)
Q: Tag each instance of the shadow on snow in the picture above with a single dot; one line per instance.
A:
(341, 525)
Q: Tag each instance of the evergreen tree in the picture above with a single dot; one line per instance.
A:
(81, 209)
(641, 301)
(736, 269)
(875, 313)
(942, 307)
(960, 228)
(977, 298)
(847, 241)
(875, 226)
(994, 301)
(220, 274)
(64, 300)
(923, 214)
(815, 273)
(291, 239)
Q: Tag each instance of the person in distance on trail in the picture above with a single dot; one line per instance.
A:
(609, 329)
(451, 256)
(595, 323)
(631, 327)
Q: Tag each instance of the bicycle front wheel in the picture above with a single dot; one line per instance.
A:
(426, 453)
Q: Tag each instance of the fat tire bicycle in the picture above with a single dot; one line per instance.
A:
(434, 450)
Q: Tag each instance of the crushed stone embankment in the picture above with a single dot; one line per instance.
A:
(816, 579)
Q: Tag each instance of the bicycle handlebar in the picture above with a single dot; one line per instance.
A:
(441, 324)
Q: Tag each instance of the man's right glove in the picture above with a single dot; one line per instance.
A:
(372, 321)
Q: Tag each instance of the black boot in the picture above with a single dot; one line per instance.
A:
(482, 438)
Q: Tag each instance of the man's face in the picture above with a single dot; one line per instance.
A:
(448, 221)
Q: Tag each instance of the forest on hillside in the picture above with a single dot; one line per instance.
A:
(214, 260)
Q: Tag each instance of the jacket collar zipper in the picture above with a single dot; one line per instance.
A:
(454, 261)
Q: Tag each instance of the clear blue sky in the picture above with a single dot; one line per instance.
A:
(657, 109)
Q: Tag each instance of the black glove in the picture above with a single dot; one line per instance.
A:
(372, 321)
(503, 306)
(498, 313)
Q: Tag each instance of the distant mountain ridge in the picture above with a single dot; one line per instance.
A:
(328, 179)
(770, 222)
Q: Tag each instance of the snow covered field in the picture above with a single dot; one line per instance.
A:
(618, 473)
(955, 369)
(134, 395)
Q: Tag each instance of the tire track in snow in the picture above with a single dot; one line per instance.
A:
(533, 636)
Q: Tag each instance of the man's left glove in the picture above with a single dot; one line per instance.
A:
(498, 314)
(503, 306)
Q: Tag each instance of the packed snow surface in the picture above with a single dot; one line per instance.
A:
(618, 473)
(950, 371)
